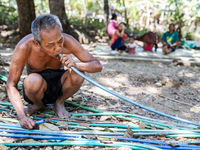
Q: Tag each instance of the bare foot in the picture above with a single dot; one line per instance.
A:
(61, 111)
(32, 109)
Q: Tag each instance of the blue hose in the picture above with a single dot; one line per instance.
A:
(60, 135)
(19, 126)
(131, 101)
(188, 147)
(52, 135)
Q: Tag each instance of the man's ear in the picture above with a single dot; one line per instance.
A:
(36, 43)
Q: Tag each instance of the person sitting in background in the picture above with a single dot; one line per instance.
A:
(117, 41)
(147, 47)
(112, 26)
(170, 40)
(131, 45)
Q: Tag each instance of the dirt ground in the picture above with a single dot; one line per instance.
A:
(166, 87)
(136, 80)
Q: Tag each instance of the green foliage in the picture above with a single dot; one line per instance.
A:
(8, 12)
(88, 24)
(41, 7)
(84, 14)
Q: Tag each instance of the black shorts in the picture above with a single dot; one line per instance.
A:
(172, 47)
(54, 88)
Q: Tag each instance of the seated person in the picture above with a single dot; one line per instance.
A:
(170, 40)
(147, 47)
(112, 26)
(117, 41)
(131, 45)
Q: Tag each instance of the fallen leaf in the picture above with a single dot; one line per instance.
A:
(103, 138)
(29, 141)
(48, 126)
(114, 138)
(141, 125)
(84, 124)
(161, 137)
(128, 133)
(2, 147)
(187, 141)
(103, 118)
(90, 136)
(115, 106)
(173, 144)
(107, 129)
(195, 109)
(62, 123)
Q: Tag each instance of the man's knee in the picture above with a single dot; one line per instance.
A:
(76, 79)
(34, 83)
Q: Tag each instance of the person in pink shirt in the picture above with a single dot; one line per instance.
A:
(118, 39)
(112, 26)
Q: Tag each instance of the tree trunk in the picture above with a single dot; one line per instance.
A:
(125, 13)
(58, 8)
(26, 14)
(106, 12)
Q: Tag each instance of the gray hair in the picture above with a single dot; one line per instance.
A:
(44, 22)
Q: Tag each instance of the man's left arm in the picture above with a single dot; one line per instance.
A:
(88, 62)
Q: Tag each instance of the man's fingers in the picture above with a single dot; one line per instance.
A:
(67, 63)
(32, 123)
(70, 64)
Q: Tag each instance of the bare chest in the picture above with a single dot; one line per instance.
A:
(38, 62)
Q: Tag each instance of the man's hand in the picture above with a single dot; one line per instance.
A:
(27, 122)
(67, 60)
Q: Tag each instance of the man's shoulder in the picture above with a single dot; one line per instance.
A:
(167, 32)
(67, 37)
(26, 41)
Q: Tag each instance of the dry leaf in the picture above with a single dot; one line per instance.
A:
(195, 109)
(2, 147)
(84, 124)
(48, 126)
(103, 118)
(63, 123)
(114, 138)
(128, 133)
(161, 137)
(90, 136)
(115, 106)
(107, 129)
(29, 141)
(103, 138)
(173, 144)
(186, 142)
(141, 125)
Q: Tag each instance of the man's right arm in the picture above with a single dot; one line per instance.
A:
(19, 59)
(163, 39)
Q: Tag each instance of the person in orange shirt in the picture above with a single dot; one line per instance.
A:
(117, 41)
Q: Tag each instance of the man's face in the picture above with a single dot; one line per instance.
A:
(52, 41)
(171, 27)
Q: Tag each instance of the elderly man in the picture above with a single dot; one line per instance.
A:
(47, 82)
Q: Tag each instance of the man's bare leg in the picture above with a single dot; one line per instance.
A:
(164, 49)
(35, 86)
(71, 83)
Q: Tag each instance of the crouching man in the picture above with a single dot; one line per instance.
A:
(47, 81)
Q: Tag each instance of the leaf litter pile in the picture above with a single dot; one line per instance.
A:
(168, 88)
